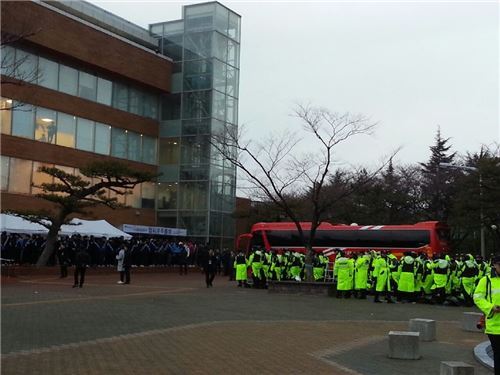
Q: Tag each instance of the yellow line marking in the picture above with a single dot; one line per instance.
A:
(177, 290)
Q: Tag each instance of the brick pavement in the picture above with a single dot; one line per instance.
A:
(167, 324)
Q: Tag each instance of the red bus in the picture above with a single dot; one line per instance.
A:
(428, 236)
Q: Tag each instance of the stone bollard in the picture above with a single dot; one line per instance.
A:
(470, 320)
(426, 328)
(456, 368)
(404, 345)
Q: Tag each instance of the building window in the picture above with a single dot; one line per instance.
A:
(102, 138)
(169, 151)
(26, 67)
(134, 198)
(40, 178)
(20, 176)
(119, 143)
(196, 223)
(48, 73)
(104, 91)
(5, 172)
(87, 86)
(68, 80)
(219, 105)
(66, 128)
(136, 101)
(45, 125)
(85, 135)
(134, 147)
(149, 147)
(6, 115)
(8, 61)
(193, 196)
(148, 195)
(120, 96)
(150, 106)
(195, 150)
(22, 120)
(196, 104)
(167, 196)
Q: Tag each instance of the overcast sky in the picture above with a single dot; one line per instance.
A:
(410, 66)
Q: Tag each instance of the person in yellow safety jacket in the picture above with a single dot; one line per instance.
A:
(287, 261)
(487, 299)
(406, 282)
(296, 267)
(318, 268)
(456, 286)
(381, 278)
(266, 266)
(371, 280)
(452, 288)
(302, 268)
(255, 262)
(241, 265)
(428, 276)
(468, 276)
(441, 271)
(393, 264)
(481, 266)
(419, 276)
(325, 262)
(361, 267)
(277, 266)
(343, 271)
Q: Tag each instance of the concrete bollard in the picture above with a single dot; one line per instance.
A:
(456, 368)
(426, 328)
(470, 320)
(404, 345)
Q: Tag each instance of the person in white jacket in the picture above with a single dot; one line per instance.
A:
(121, 257)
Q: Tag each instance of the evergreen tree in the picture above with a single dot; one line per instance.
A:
(74, 194)
(437, 182)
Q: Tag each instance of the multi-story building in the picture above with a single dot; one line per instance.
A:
(81, 84)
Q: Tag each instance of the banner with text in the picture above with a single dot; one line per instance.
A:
(159, 231)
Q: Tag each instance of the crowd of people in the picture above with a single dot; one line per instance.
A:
(24, 249)
(89, 251)
(412, 278)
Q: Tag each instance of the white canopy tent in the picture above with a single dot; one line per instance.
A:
(11, 223)
(97, 228)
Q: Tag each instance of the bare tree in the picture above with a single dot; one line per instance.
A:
(279, 174)
(18, 68)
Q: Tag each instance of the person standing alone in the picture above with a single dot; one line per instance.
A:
(82, 260)
(124, 264)
(210, 267)
(487, 299)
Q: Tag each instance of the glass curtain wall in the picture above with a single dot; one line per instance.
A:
(198, 185)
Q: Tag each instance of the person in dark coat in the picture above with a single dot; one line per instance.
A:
(82, 260)
(183, 259)
(63, 260)
(210, 267)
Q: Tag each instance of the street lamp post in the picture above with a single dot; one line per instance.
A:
(481, 213)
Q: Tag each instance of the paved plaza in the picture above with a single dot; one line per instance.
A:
(164, 323)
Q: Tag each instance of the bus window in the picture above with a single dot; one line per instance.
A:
(257, 240)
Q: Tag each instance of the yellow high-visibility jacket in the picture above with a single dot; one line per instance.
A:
(487, 296)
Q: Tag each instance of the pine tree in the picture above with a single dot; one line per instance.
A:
(437, 182)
